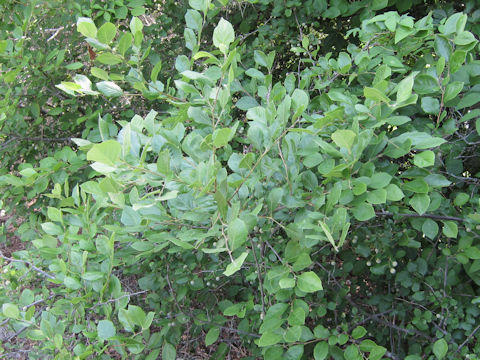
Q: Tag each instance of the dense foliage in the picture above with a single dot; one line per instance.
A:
(295, 179)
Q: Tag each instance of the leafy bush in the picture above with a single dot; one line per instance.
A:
(306, 204)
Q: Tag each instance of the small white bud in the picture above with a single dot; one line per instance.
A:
(369, 263)
(192, 282)
(378, 261)
(217, 278)
(394, 263)
(392, 271)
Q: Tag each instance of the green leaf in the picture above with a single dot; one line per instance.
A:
(359, 332)
(106, 33)
(236, 265)
(394, 193)
(425, 84)
(430, 105)
(379, 180)
(375, 94)
(52, 229)
(269, 338)
(453, 24)
(246, 102)
(450, 229)
(457, 60)
(464, 38)
(274, 198)
(221, 137)
(472, 252)
(363, 212)
(27, 297)
(99, 73)
(430, 228)
(286, 283)
(440, 348)
(351, 353)
(109, 88)
(93, 275)
(108, 58)
(223, 35)
(125, 43)
(200, 5)
(452, 90)
(424, 159)
(10, 310)
(468, 100)
(54, 214)
(86, 27)
(193, 19)
(378, 196)
(237, 234)
(148, 320)
(107, 152)
(442, 46)
(309, 282)
(379, 4)
(74, 66)
(299, 102)
(320, 351)
(405, 89)
(461, 199)
(105, 329)
(296, 317)
(169, 352)
(377, 352)
(136, 25)
(72, 283)
(344, 138)
(327, 232)
(130, 217)
(420, 203)
(212, 335)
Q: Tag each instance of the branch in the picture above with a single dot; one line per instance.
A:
(468, 339)
(121, 297)
(47, 275)
(429, 216)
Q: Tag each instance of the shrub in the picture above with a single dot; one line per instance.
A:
(326, 212)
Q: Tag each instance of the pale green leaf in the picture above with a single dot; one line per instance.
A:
(105, 329)
(440, 348)
(212, 335)
(237, 234)
(107, 152)
(309, 282)
(237, 263)
(344, 138)
(223, 35)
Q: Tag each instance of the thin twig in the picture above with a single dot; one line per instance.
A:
(267, 150)
(121, 297)
(468, 339)
(57, 31)
(47, 275)
(259, 276)
(429, 216)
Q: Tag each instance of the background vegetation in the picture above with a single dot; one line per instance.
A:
(239, 179)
